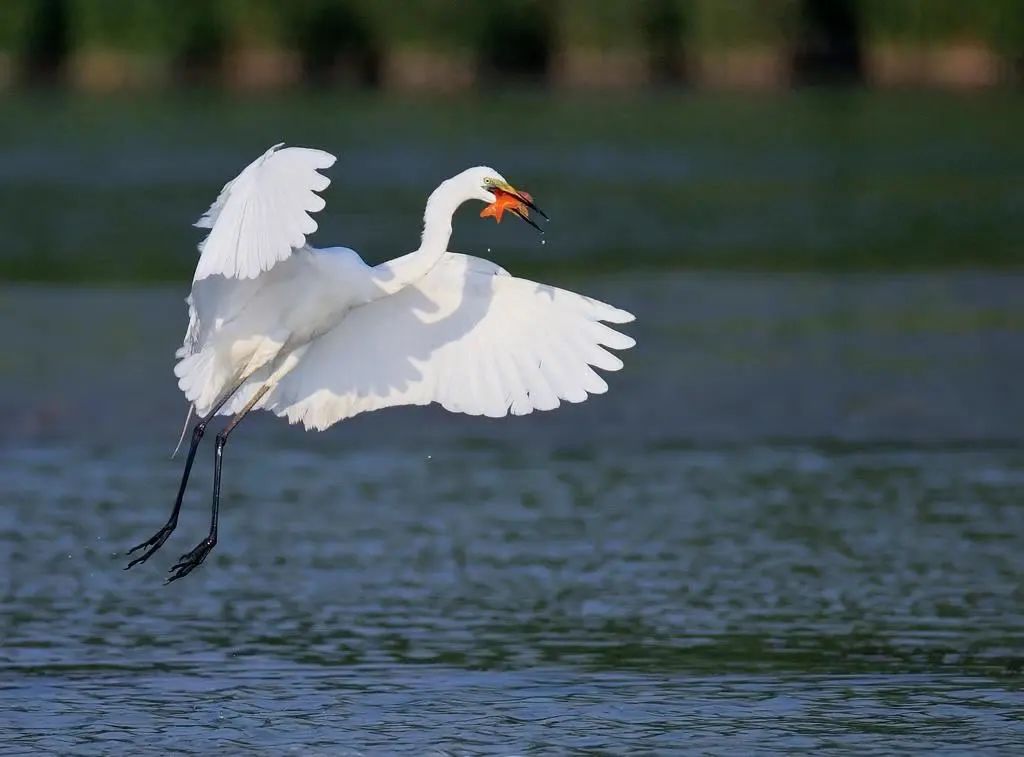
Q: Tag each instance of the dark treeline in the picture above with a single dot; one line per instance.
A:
(455, 44)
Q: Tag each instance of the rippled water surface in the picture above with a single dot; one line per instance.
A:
(795, 523)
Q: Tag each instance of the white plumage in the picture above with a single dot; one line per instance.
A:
(329, 337)
(467, 336)
(260, 216)
(316, 335)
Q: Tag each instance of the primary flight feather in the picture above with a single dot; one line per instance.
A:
(317, 335)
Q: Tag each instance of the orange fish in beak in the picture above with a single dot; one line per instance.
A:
(514, 201)
(505, 201)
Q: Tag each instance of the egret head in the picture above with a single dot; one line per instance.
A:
(492, 188)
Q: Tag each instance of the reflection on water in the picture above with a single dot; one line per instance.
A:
(720, 357)
(106, 189)
(692, 561)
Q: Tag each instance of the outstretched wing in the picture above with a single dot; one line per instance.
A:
(467, 336)
(262, 214)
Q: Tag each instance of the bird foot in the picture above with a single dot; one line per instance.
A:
(192, 560)
(153, 543)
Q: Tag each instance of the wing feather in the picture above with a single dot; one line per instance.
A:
(467, 336)
(263, 214)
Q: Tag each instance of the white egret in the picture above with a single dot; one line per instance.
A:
(317, 335)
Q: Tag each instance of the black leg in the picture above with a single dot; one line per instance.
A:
(154, 542)
(194, 558)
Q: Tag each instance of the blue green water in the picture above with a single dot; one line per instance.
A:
(795, 523)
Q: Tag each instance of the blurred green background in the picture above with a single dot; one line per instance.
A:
(733, 134)
(439, 44)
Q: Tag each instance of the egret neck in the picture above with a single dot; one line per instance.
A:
(399, 273)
